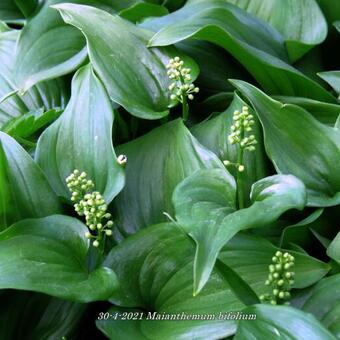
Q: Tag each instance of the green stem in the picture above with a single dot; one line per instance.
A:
(185, 108)
(239, 177)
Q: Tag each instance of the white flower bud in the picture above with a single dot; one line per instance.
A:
(240, 168)
(108, 232)
(122, 159)
(190, 96)
(96, 243)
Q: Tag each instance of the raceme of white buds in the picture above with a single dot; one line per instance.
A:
(182, 85)
(90, 204)
(280, 279)
(241, 134)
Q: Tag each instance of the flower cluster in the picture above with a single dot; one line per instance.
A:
(90, 204)
(182, 85)
(241, 129)
(280, 279)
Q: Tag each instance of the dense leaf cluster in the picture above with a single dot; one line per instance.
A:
(169, 169)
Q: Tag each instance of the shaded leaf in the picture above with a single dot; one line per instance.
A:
(205, 208)
(213, 134)
(333, 250)
(82, 139)
(141, 10)
(155, 264)
(309, 156)
(324, 303)
(157, 162)
(326, 113)
(280, 321)
(37, 316)
(301, 23)
(24, 190)
(332, 78)
(135, 76)
(48, 255)
(47, 95)
(257, 46)
(29, 123)
(240, 288)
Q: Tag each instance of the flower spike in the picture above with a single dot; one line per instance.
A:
(90, 204)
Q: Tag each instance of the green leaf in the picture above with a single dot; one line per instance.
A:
(27, 315)
(82, 139)
(47, 95)
(333, 250)
(308, 154)
(47, 48)
(240, 288)
(301, 23)
(326, 113)
(213, 62)
(324, 303)
(135, 76)
(27, 7)
(157, 162)
(257, 46)
(300, 232)
(213, 134)
(141, 10)
(29, 123)
(337, 23)
(9, 12)
(48, 255)
(155, 265)
(274, 322)
(205, 208)
(25, 192)
(332, 78)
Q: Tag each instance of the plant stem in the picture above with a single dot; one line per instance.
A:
(185, 108)
(239, 177)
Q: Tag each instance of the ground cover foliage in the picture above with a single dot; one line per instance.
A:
(169, 169)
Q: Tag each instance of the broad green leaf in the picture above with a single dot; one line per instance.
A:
(27, 7)
(157, 162)
(301, 23)
(24, 190)
(48, 255)
(141, 10)
(333, 250)
(326, 113)
(27, 315)
(215, 66)
(300, 233)
(331, 10)
(240, 288)
(299, 145)
(9, 12)
(283, 322)
(332, 78)
(47, 95)
(47, 48)
(257, 46)
(82, 139)
(134, 76)
(156, 266)
(324, 303)
(213, 134)
(205, 208)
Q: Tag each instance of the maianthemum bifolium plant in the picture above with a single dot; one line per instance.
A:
(169, 169)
